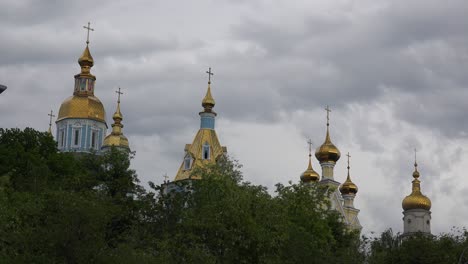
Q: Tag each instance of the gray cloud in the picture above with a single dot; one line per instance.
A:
(393, 72)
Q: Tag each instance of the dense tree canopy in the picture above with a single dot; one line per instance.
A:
(68, 208)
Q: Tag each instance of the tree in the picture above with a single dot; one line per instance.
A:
(418, 248)
(221, 219)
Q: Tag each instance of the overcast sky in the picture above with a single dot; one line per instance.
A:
(395, 74)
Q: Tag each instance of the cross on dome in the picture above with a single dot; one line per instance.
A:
(88, 28)
(209, 74)
(119, 93)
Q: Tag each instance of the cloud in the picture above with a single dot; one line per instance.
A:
(394, 74)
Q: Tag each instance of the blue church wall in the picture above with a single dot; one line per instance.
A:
(85, 127)
(207, 121)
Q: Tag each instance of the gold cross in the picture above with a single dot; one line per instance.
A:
(310, 146)
(209, 74)
(88, 28)
(50, 120)
(118, 92)
(415, 160)
(349, 156)
(328, 113)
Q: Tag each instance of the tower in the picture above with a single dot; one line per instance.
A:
(310, 175)
(81, 123)
(116, 137)
(205, 148)
(348, 192)
(327, 155)
(416, 208)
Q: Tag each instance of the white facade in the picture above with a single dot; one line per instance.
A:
(416, 220)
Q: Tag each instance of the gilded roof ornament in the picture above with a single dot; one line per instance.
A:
(208, 102)
(328, 152)
(86, 61)
(348, 187)
(310, 175)
(51, 115)
(416, 200)
(116, 137)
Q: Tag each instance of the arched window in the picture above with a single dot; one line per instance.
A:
(206, 151)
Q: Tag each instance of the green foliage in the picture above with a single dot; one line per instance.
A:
(418, 248)
(68, 208)
(221, 219)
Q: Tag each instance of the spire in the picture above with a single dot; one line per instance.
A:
(208, 102)
(86, 61)
(50, 122)
(310, 175)
(116, 137)
(328, 152)
(348, 187)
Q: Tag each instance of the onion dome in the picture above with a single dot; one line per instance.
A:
(310, 175)
(116, 137)
(208, 102)
(327, 152)
(348, 187)
(416, 200)
(83, 103)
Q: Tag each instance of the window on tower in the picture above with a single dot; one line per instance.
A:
(76, 137)
(62, 137)
(187, 162)
(94, 139)
(206, 151)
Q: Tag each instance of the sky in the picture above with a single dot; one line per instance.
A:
(394, 73)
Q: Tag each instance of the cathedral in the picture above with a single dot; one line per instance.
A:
(81, 127)
(341, 195)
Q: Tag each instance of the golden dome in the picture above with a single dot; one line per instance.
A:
(310, 175)
(116, 137)
(348, 187)
(116, 140)
(208, 102)
(88, 107)
(327, 152)
(416, 200)
(86, 59)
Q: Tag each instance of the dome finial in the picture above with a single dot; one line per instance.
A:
(116, 137)
(118, 115)
(416, 172)
(310, 175)
(50, 121)
(208, 102)
(86, 61)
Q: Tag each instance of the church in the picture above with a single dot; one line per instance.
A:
(81, 123)
(81, 127)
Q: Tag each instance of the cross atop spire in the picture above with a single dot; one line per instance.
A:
(51, 115)
(328, 114)
(209, 74)
(349, 156)
(415, 159)
(310, 147)
(88, 28)
(119, 93)
(165, 177)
